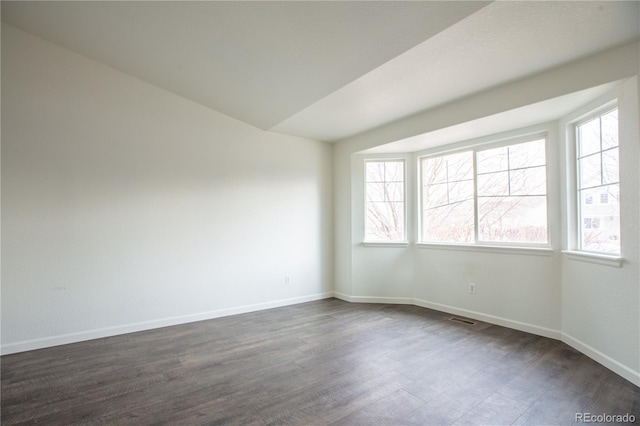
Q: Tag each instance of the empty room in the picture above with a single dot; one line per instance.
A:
(320, 213)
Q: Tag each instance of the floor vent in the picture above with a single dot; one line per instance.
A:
(463, 320)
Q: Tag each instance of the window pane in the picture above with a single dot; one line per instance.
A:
(590, 171)
(394, 171)
(384, 188)
(375, 192)
(374, 171)
(460, 166)
(610, 166)
(492, 160)
(452, 223)
(434, 170)
(528, 154)
(436, 195)
(529, 181)
(448, 204)
(589, 137)
(512, 219)
(394, 191)
(461, 191)
(610, 130)
(600, 231)
(385, 222)
(493, 184)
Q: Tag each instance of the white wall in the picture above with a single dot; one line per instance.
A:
(342, 222)
(126, 207)
(600, 303)
(594, 308)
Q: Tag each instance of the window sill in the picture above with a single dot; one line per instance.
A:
(596, 258)
(396, 244)
(535, 251)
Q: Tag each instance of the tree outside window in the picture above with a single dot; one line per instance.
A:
(385, 211)
(502, 197)
(448, 198)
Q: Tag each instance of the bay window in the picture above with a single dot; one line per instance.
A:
(486, 195)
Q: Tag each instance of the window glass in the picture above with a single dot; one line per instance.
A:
(513, 219)
(598, 178)
(512, 204)
(589, 137)
(610, 166)
(493, 184)
(511, 198)
(610, 129)
(529, 181)
(448, 198)
(385, 197)
(493, 160)
(528, 154)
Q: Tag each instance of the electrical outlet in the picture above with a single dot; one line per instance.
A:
(287, 279)
(472, 288)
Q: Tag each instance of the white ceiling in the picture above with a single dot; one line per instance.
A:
(328, 70)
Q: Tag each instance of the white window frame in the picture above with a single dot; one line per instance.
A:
(385, 243)
(533, 248)
(572, 251)
(575, 220)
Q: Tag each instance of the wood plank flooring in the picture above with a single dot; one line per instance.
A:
(320, 363)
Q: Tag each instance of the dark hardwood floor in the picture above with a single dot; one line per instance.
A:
(325, 362)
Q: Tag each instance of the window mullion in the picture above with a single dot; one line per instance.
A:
(601, 146)
(579, 224)
(476, 221)
(446, 166)
(509, 171)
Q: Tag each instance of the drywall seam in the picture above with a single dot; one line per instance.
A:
(64, 339)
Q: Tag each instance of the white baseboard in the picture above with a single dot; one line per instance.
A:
(492, 319)
(373, 299)
(517, 325)
(607, 361)
(63, 339)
